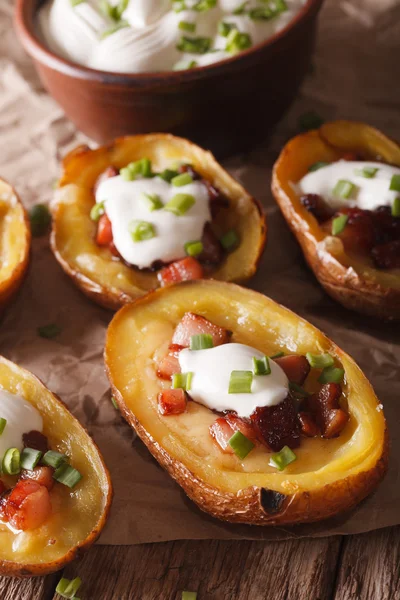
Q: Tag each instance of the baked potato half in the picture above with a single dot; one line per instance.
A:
(15, 242)
(77, 515)
(329, 475)
(351, 280)
(110, 282)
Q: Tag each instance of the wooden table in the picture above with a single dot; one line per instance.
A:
(360, 567)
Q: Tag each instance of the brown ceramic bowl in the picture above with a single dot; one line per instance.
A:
(225, 106)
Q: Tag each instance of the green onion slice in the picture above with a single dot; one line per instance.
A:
(317, 165)
(230, 240)
(343, 189)
(240, 382)
(240, 444)
(198, 45)
(261, 366)
(224, 28)
(168, 175)
(141, 231)
(277, 355)
(153, 201)
(297, 389)
(49, 331)
(182, 179)
(12, 462)
(134, 169)
(120, 25)
(237, 41)
(273, 9)
(201, 341)
(331, 375)
(180, 204)
(204, 5)
(194, 248)
(396, 207)
(320, 361)
(67, 475)
(30, 458)
(189, 595)
(339, 223)
(282, 459)
(114, 403)
(241, 9)
(40, 219)
(183, 66)
(3, 423)
(67, 588)
(367, 172)
(182, 380)
(186, 26)
(54, 459)
(395, 183)
(97, 211)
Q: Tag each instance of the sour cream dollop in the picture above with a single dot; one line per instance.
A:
(147, 35)
(125, 202)
(212, 370)
(21, 418)
(368, 192)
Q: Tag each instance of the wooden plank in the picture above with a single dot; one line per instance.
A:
(39, 588)
(217, 570)
(370, 566)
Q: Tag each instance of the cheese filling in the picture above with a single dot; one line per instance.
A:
(211, 372)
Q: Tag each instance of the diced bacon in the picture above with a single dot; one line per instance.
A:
(278, 425)
(35, 440)
(296, 367)
(316, 205)
(351, 156)
(104, 235)
(107, 174)
(192, 324)
(28, 506)
(186, 269)
(172, 402)
(308, 426)
(242, 425)
(387, 256)
(42, 475)
(168, 366)
(221, 432)
(325, 408)
(212, 249)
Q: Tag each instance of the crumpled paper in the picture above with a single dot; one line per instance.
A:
(354, 64)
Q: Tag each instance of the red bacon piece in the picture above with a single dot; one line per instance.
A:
(316, 205)
(212, 250)
(221, 432)
(387, 256)
(296, 367)
(186, 269)
(278, 425)
(42, 475)
(28, 506)
(104, 235)
(35, 440)
(172, 402)
(325, 408)
(192, 324)
(170, 363)
(242, 425)
(308, 426)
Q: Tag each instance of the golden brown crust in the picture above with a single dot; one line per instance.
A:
(80, 170)
(253, 505)
(355, 285)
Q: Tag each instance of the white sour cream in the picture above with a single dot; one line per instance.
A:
(212, 369)
(149, 40)
(124, 203)
(368, 194)
(21, 418)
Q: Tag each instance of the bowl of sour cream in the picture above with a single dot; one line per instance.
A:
(221, 72)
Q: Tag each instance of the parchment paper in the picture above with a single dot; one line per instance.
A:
(354, 76)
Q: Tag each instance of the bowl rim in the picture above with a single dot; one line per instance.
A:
(30, 39)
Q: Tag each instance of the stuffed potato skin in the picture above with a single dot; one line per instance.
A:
(15, 243)
(354, 283)
(110, 282)
(67, 435)
(259, 498)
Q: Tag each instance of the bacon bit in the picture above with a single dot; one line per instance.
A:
(169, 364)
(277, 425)
(107, 174)
(387, 256)
(192, 324)
(316, 205)
(212, 249)
(104, 235)
(172, 402)
(42, 475)
(308, 426)
(113, 249)
(221, 432)
(296, 367)
(324, 406)
(351, 156)
(189, 169)
(186, 269)
(28, 506)
(242, 425)
(36, 441)
(358, 235)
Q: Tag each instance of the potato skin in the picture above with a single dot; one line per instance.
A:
(81, 168)
(253, 505)
(367, 292)
(15, 569)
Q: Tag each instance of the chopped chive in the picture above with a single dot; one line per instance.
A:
(331, 375)
(396, 207)
(186, 26)
(134, 169)
(310, 120)
(240, 444)
(40, 219)
(261, 366)
(3, 423)
(180, 204)
(237, 41)
(30, 458)
(297, 389)
(201, 341)
(11, 462)
(224, 28)
(194, 248)
(141, 231)
(343, 189)
(317, 165)
(277, 355)
(97, 211)
(120, 25)
(395, 183)
(268, 12)
(240, 382)
(76, 2)
(368, 172)
(153, 201)
(189, 595)
(178, 6)
(320, 361)
(230, 240)
(54, 459)
(67, 588)
(199, 45)
(241, 9)
(49, 331)
(204, 5)
(67, 475)
(182, 179)
(182, 380)
(168, 175)
(339, 223)
(114, 403)
(183, 65)
(280, 460)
